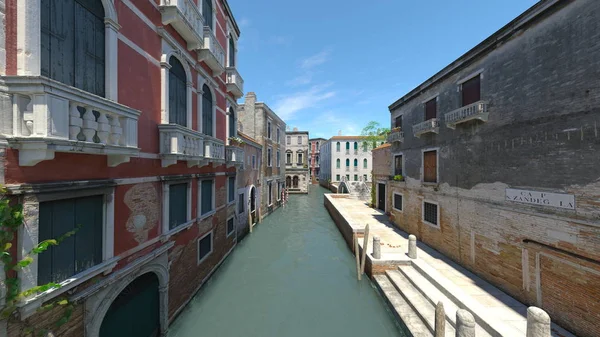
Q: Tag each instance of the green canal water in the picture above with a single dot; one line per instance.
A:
(293, 276)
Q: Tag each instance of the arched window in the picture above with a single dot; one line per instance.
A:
(207, 111)
(365, 163)
(355, 162)
(337, 146)
(231, 52)
(177, 93)
(355, 145)
(232, 122)
(207, 12)
(347, 145)
(337, 163)
(73, 43)
(347, 162)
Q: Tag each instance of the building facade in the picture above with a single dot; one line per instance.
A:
(346, 157)
(315, 159)
(381, 175)
(249, 185)
(297, 176)
(114, 121)
(499, 151)
(259, 122)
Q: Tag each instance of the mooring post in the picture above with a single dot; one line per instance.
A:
(538, 323)
(465, 324)
(376, 247)
(412, 246)
(364, 251)
(440, 320)
(356, 254)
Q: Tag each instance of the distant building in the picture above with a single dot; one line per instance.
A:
(382, 173)
(314, 158)
(500, 157)
(297, 176)
(249, 185)
(346, 157)
(259, 122)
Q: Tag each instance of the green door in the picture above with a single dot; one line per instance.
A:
(135, 312)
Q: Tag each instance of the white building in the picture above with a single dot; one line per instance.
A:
(297, 177)
(346, 156)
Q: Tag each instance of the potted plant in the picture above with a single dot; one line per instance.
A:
(398, 177)
(236, 141)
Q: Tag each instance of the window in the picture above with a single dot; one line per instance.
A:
(230, 226)
(207, 13)
(269, 129)
(270, 186)
(78, 252)
(355, 162)
(299, 140)
(206, 196)
(347, 162)
(231, 51)
(398, 202)
(337, 177)
(347, 145)
(253, 161)
(241, 200)
(289, 140)
(177, 93)
(278, 136)
(365, 163)
(207, 110)
(355, 146)
(231, 189)
(398, 122)
(431, 109)
(365, 177)
(430, 213)
(278, 191)
(337, 163)
(232, 123)
(299, 162)
(178, 205)
(398, 165)
(430, 166)
(347, 177)
(288, 158)
(317, 146)
(278, 159)
(356, 177)
(471, 91)
(365, 146)
(337, 146)
(205, 247)
(73, 43)
(269, 157)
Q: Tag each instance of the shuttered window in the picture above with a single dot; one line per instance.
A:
(232, 123)
(206, 196)
(207, 12)
(337, 147)
(76, 253)
(355, 162)
(337, 177)
(347, 162)
(356, 177)
(270, 193)
(204, 247)
(72, 42)
(231, 52)
(337, 163)
(398, 165)
(398, 122)
(241, 203)
(230, 226)
(207, 111)
(430, 213)
(398, 201)
(269, 157)
(177, 93)
(365, 163)
(431, 109)
(178, 203)
(430, 166)
(347, 145)
(471, 91)
(231, 186)
(355, 145)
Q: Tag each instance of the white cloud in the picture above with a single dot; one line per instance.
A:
(303, 79)
(280, 40)
(243, 22)
(286, 107)
(315, 60)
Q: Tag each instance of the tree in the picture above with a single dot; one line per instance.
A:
(374, 133)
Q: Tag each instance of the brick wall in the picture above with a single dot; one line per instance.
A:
(2, 37)
(382, 162)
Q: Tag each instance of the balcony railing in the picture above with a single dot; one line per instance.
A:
(396, 136)
(212, 53)
(214, 149)
(477, 110)
(180, 143)
(430, 125)
(235, 82)
(234, 155)
(187, 20)
(48, 116)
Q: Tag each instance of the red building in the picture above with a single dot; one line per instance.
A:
(115, 116)
(315, 145)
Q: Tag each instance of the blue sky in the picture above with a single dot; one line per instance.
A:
(332, 65)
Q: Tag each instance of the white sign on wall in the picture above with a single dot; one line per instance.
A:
(541, 198)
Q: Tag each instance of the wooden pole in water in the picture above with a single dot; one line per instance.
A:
(364, 251)
(356, 253)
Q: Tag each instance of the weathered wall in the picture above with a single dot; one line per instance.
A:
(2, 37)
(382, 162)
(542, 134)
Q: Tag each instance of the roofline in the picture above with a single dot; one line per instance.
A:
(306, 132)
(317, 139)
(265, 106)
(484, 47)
(249, 139)
(230, 14)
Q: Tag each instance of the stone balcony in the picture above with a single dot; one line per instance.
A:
(428, 126)
(214, 150)
(395, 136)
(180, 143)
(187, 20)
(44, 116)
(235, 82)
(474, 111)
(212, 53)
(234, 156)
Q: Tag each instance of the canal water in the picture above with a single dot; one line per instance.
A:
(293, 276)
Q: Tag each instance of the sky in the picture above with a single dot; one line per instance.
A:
(334, 65)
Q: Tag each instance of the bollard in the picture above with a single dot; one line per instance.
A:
(538, 323)
(364, 251)
(440, 320)
(465, 324)
(356, 254)
(412, 246)
(376, 247)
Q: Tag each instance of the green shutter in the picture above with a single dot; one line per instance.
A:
(231, 189)
(206, 196)
(177, 205)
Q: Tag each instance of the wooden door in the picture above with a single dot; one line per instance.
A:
(381, 197)
(430, 167)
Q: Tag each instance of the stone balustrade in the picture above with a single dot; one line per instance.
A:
(477, 110)
(395, 136)
(212, 53)
(214, 149)
(49, 116)
(235, 82)
(177, 142)
(430, 125)
(234, 155)
(185, 17)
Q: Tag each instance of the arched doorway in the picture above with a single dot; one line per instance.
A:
(288, 181)
(295, 182)
(138, 302)
(252, 204)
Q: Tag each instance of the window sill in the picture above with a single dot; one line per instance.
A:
(30, 306)
(230, 202)
(429, 184)
(397, 210)
(166, 236)
(206, 215)
(431, 225)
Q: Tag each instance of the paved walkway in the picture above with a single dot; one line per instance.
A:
(395, 245)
